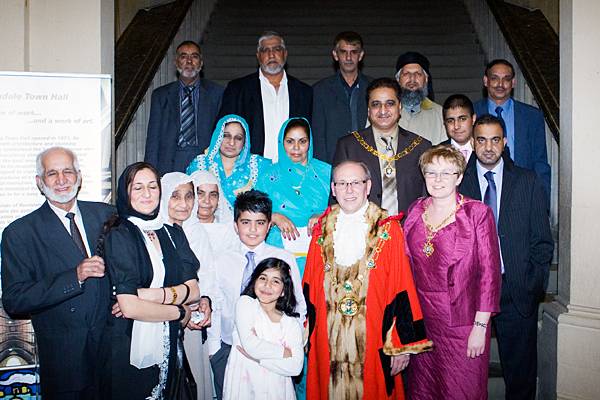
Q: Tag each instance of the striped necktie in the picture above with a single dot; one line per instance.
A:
(490, 198)
(187, 133)
(76, 234)
(389, 195)
(248, 270)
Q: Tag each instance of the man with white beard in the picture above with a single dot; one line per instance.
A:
(182, 114)
(420, 115)
(51, 275)
(268, 97)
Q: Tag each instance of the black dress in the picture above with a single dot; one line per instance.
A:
(129, 268)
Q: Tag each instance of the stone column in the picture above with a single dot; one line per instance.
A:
(570, 338)
(71, 36)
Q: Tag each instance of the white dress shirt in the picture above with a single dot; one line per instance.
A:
(62, 216)
(483, 184)
(229, 268)
(276, 110)
(465, 149)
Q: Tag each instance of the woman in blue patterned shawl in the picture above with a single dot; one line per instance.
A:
(298, 184)
(228, 158)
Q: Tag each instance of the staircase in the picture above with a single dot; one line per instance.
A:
(439, 29)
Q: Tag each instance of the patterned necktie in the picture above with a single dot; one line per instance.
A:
(75, 234)
(187, 133)
(490, 198)
(389, 195)
(248, 270)
(465, 154)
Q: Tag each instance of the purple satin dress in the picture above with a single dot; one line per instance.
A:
(446, 372)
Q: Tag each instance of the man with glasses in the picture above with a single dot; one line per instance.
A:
(390, 152)
(268, 97)
(356, 258)
(182, 114)
(523, 124)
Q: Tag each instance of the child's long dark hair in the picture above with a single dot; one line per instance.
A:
(286, 303)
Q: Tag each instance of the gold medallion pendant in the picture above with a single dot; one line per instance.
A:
(348, 306)
(389, 170)
(428, 248)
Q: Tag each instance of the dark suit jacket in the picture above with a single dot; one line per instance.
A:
(526, 242)
(164, 124)
(409, 180)
(530, 139)
(243, 97)
(39, 281)
(331, 116)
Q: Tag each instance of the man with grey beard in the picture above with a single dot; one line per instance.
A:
(182, 114)
(51, 275)
(419, 114)
(268, 97)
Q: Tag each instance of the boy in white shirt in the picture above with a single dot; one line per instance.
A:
(252, 221)
(459, 118)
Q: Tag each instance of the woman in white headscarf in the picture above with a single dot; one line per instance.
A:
(177, 203)
(212, 214)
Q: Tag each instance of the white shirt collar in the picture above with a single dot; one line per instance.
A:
(62, 213)
(264, 79)
(350, 236)
(497, 170)
(257, 250)
(466, 146)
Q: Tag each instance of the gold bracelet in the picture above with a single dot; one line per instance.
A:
(174, 294)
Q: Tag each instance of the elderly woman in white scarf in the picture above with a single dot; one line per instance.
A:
(211, 213)
(177, 203)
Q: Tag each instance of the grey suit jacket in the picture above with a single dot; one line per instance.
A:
(331, 117)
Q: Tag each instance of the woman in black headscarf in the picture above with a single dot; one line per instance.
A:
(153, 274)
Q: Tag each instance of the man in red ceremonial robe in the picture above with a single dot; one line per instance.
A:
(356, 262)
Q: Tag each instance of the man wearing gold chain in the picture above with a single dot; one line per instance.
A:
(390, 152)
(357, 261)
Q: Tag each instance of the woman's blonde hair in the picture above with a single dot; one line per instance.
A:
(445, 152)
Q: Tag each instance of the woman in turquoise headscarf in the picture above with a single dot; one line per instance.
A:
(298, 184)
(228, 158)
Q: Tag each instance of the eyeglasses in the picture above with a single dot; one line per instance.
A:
(442, 175)
(276, 49)
(352, 185)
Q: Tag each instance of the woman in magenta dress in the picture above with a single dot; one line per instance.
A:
(453, 248)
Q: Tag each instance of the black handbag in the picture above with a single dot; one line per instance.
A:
(183, 385)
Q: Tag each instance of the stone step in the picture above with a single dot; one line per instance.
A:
(365, 18)
(448, 50)
(330, 31)
(218, 37)
(440, 29)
